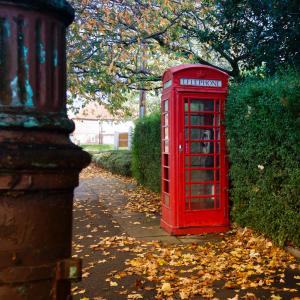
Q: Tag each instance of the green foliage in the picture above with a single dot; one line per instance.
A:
(117, 46)
(93, 149)
(263, 131)
(256, 32)
(146, 152)
(115, 161)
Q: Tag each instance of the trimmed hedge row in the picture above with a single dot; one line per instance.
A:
(263, 131)
(115, 161)
(146, 152)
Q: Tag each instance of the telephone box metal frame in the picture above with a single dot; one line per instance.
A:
(194, 157)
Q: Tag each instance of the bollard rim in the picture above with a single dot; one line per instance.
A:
(61, 7)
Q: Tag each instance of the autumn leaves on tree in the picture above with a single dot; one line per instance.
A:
(120, 46)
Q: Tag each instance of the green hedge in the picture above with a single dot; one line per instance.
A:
(115, 161)
(146, 152)
(263, 131)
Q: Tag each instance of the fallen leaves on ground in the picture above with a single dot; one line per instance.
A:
(237, 261)
(242, 260)
(142, 200)
(93, 171)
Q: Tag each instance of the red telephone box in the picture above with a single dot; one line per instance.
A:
(194, 160)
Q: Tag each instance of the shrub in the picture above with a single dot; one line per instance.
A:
(115, 161)
(146, 152)
(263, 131)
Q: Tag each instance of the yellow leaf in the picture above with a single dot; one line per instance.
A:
(113, 283)
(135, 263)
(161, 262)
(166, 287)
(134, 296)
(184, 295)
(275, 297)
(230, 285)
(269, 244)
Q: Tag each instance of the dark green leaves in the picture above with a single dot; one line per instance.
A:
(146, 152)
(264, 150)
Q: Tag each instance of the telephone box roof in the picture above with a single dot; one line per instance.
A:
(174, 70)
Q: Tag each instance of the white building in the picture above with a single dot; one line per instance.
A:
(95, 125)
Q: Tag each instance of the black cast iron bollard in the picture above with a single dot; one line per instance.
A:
(39, 165)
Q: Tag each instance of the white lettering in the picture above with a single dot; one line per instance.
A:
(201, 82)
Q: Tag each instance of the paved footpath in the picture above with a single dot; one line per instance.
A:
(99, 212)
(97, 203)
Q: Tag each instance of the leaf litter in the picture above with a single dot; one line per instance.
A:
(139, 198)
(93, 171)
(241, 260)
(142, 200)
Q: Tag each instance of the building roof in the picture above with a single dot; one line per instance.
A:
(94, 111)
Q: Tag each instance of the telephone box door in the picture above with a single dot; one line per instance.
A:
(202, 163)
